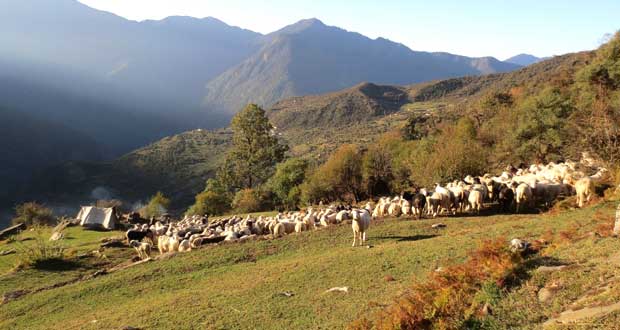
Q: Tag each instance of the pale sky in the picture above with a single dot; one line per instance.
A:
(498, 28)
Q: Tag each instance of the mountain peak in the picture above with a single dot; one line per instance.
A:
(523, 59)
(300, 26)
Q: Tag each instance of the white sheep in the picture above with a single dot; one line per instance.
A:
(523, 196)
(143, 249)
(475, 200)
(584, 189)
(185, 246)
(360, 224)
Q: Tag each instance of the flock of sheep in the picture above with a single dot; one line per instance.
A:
(514, 189)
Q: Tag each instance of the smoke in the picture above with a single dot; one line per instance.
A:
(101, 193)
(135, 207)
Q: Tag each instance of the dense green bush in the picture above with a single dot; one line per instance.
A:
(248, 201)
(214, 200)
(157, 206)
(284, 184)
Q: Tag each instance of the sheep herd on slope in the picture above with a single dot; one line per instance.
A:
(513, 190)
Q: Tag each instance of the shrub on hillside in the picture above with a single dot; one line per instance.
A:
(247, 201)
(453, 154)
(284, 184)
(213, 201)
(453, 297)
(40, 252)
(340, 178)
(34, 214)
(157, 206)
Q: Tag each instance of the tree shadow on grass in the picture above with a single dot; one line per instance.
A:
(405, 238)
(56, 265)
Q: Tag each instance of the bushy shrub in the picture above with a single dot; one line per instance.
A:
(340, 178)
(34, 214)
(213, 201)
(40, 251)
(247, 201)
(453, 154)
(284, 184)
(157, 206)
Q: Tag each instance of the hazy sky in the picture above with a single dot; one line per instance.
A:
(499, 28)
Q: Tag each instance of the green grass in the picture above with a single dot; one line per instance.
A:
(238, 286)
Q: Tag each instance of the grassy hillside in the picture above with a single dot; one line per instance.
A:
(239, 286)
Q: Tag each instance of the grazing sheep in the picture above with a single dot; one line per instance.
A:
(475, 199)
(162, 244)
(342, 215)
(419, 202)
(138, 235)
(185, 246)
(523, 196)
(278, 230)
(584, 188)
(173, 243)
(360, 224)
(395, 208)
(405, 207)
(505, 197)
(434, 204)
(143, 249)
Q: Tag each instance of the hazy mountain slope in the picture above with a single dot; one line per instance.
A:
(523, 59)
(29, 144)
(311, 58)
(178, 165)
(157, 64)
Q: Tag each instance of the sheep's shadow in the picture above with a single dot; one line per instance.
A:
(525, 272)
(405, 238)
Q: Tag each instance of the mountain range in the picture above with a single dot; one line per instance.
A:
(96, 86)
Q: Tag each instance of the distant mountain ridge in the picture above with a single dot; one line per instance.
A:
(309, 57)
(524, 59)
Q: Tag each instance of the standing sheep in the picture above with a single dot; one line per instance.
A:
(143, 249)
(476, 199)
(585, 189)
(360, 224)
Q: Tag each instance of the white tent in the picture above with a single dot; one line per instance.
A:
(97, 217)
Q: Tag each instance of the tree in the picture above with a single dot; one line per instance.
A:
(540, 133)
(33, 214)
(377, 170)
(285, 182)
(255, 150)
(214, 200)
(340, 178)
(451, 155)
(597, 96)
(157, 206)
